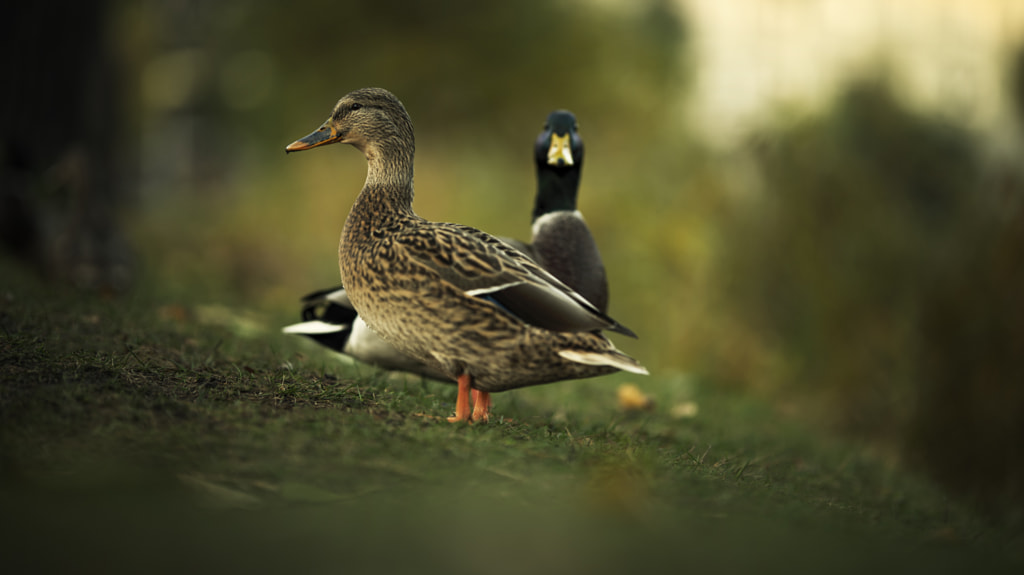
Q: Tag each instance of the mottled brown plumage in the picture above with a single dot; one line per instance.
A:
(453, 297)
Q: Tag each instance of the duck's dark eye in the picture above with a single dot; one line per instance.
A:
(355, 106)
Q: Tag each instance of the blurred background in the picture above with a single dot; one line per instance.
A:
(815, 201)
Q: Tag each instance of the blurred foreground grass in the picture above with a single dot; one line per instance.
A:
(158, 436)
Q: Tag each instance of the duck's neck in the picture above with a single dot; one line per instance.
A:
(388, 187)
(387, 193)
(556, 190)
(389, 173)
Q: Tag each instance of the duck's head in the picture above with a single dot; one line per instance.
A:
(368, 118)
(559, 145)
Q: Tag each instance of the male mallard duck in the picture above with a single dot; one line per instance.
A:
(562, 244)
(457, 299)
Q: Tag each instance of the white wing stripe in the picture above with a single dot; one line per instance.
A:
(492, 289)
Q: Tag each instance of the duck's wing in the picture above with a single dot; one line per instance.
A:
(522, 246)
(486, 267)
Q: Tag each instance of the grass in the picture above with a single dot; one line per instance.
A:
(140, 435)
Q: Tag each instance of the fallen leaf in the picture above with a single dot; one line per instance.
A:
(632, 399)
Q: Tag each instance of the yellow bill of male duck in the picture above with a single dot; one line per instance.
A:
(457, 299)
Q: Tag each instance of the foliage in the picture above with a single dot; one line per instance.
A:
(882, 267)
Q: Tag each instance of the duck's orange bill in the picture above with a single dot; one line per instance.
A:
(325, 134)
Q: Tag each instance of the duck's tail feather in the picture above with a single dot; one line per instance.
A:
(314, 327)
(330, 335)
(612, 358)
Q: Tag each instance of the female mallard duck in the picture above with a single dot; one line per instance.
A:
(461, 301)
(562, 244)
